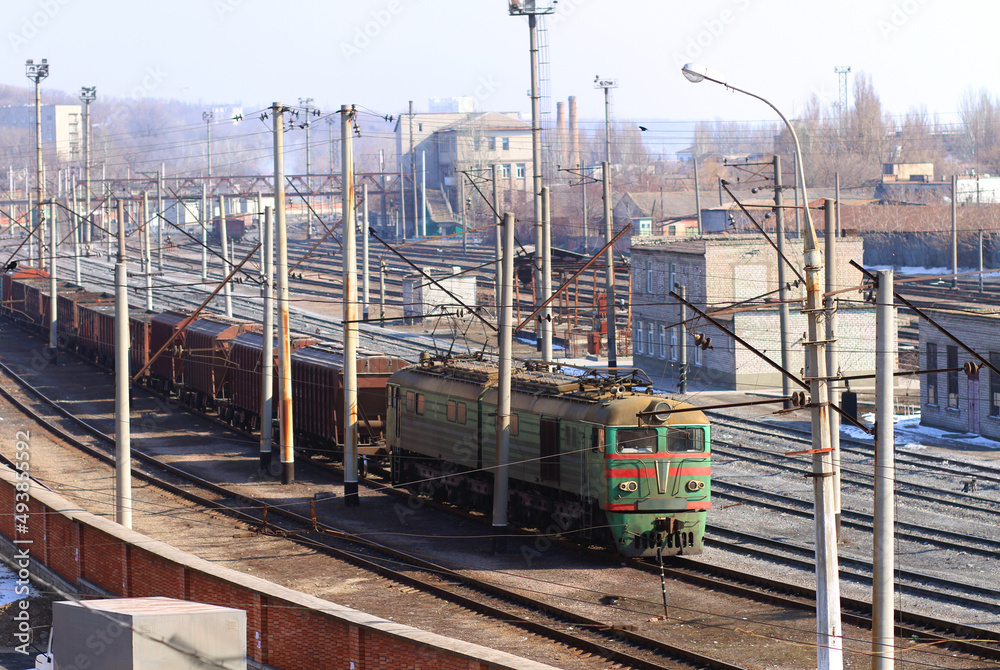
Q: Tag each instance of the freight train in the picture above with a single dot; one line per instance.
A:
(598, 457)
(214, 363)
(590, 456)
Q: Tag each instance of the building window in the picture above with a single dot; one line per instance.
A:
(420, 127)
(994, 385)
(673, 343)
(505, 143)
(493, 144)
(650, 347)
(952, 354)
(505, 171)
(697, 356)
(520, 170)
(638, 337)
(663, 341)
(672, 277)
(649, 276)
(932, 379)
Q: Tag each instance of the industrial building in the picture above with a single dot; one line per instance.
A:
(735, 277)
(62, 127)
(960, 401)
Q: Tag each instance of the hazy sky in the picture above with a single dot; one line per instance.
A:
(381, 53)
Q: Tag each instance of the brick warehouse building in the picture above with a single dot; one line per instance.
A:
(956, 401)
(718, 271)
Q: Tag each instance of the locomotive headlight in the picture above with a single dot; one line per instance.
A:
(695, 485)
(630, 487)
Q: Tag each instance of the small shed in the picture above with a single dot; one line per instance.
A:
(445, 291)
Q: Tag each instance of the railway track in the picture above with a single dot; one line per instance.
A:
(613, 642)
(435, 574)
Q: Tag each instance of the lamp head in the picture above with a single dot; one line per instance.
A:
(695, 73)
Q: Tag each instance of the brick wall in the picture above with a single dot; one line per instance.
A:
(285, 629)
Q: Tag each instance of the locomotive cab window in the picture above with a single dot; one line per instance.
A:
(637, 441)
(411, 401)
(687, 439)
(420, 403)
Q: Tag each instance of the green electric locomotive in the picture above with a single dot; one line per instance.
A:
(590, 456)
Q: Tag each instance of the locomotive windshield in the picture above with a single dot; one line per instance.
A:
(680, 440)
(637, 441)
(685, 439)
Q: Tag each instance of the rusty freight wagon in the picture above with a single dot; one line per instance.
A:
(318, 397)
(166, 372)
(205, 356)
(12, 302)
(68, 315)
(245, 363)
(96, 338)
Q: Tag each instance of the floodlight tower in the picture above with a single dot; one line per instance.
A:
(87, 95)
(842, 71)
(37, 72)
(208, 117)
(612, 319)
(543, 269)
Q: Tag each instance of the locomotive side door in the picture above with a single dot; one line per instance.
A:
(549, 451)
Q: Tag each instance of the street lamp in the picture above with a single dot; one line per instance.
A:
(828, 622)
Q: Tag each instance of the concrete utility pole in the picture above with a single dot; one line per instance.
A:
(682, 376)
(583, 190)
(609, 268)
(365, 286)
(147, 265)
(883, 565)
(227, 289)
(306, 103)
(207, 118)
(401, 228)
(53, 297)
(206, 216)
(546, 256)
(497, 236)
(76, 223)
(697, 194)
(607, 85)
(351, 498)
(87, 95)
(123, 450)
(423, 194)
(413, 175)
(954, 230)
(463, 214)
(160, 219)
(532, 10)
(505, 335)
(832, 362)
(37, 72)
(783, 315)
(284, 346)
(267, 348)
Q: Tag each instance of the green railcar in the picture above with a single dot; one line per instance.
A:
(590, 456)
